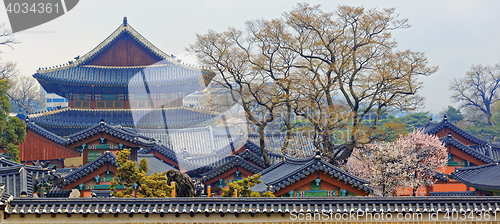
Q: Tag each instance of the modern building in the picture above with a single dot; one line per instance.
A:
(52, 101)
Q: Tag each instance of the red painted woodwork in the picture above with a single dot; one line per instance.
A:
(445, 131)
(459, 153)
(37, 147)
(96, 137)
(125, 52)
(324, 177)
(228, 173)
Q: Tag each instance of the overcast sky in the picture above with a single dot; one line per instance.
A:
(453, 34)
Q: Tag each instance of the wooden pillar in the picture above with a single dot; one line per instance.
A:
(173, 190)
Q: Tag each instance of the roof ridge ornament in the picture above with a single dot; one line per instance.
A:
(125, 21)
(445, 118)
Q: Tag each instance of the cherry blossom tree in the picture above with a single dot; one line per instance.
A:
(410, 161)
(428, 157)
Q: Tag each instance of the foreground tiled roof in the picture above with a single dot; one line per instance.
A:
(116, 132)
(106, 157)
(486, 177)
(20, 177)
(453, 193)
(292, 170)
(5, 197)
(209, 206)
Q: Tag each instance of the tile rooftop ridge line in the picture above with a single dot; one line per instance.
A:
(235, 161)
(476, 167)
(467, 149)
(434, 127)
(471, 176)
(89, 167)
(45, 133)
(111, 130)
(122, 29)
(198, 205)
(306, 167)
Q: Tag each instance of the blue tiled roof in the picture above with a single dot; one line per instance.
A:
(79, 119)
(292, 170)
(486, 177)
(106, 157)
(166, 73)
(19, 177)
(233, 161)
(170, 69)
(5, 197)
(116, 132)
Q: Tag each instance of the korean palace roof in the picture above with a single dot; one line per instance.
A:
(69, 120)
(290, 170)
(482, 150)
(80, 72)
(485, 177)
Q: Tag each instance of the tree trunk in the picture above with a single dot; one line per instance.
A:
(262, 145)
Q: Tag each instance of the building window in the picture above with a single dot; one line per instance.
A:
(118, 104)
(109, 104)
(100, 104)
(82, 104)
(91, 155)
(49, 100)
(58, 100)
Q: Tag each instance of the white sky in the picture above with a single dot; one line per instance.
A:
(453, 34)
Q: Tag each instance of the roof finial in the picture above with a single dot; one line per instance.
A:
(125, 21)
(445, 117)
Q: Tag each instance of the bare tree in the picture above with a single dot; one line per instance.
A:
(349, 57)
(478, 89)
(331, 68)
(25, 93)
(7, 69)
(226, 55)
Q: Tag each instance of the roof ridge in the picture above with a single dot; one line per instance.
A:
(123, 28)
